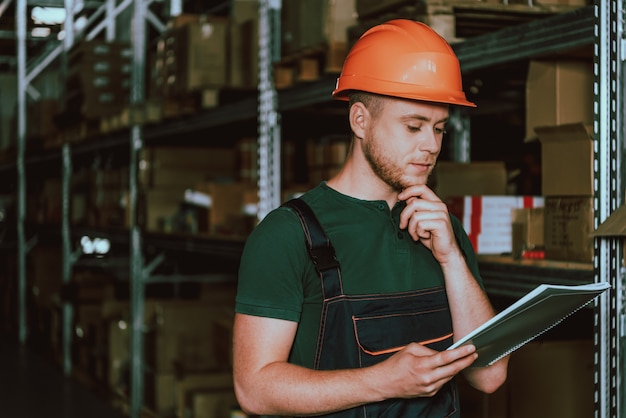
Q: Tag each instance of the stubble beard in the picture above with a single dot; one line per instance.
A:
(385, 169)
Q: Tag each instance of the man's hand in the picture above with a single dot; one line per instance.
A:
(426, 219)
(418, 371)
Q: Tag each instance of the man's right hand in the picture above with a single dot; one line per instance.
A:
(420, 371)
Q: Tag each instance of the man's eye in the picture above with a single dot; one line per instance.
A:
(412, 128)
(440, 131)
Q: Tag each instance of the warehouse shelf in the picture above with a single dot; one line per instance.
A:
(505, 276)
(558, 33)
(545, 36)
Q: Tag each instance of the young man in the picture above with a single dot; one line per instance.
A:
(371, 340)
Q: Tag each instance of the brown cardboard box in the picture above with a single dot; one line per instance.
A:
(558, 92)
(527, 230)
(476, 178)
(566, 159)
(226, 214)
(488, 220)
(614, 226)
(185, 166)
(244, 43)
(313, 23)
(155, 207)
(552, 379)
(568, 224)
(196, 56)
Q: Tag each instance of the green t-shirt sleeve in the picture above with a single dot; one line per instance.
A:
(272, 267)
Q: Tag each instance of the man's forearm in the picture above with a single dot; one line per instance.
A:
(285, 389)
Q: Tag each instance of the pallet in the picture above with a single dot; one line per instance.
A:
(309, 64)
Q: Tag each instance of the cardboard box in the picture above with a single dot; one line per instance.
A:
(558, 92)
(488, 220)
(476, 178)
(196, 56)
(614, 226)
(244, 44)
(548, 379)
(315, 23)
(228, 201)
(527, 230)
(155, 208)
(568, 225)
(185, 166)
(566, 159)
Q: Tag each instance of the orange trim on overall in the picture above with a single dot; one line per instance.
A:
(396, 349)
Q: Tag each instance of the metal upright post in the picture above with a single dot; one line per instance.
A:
(68, 256)
(20, 21)
(269, 118)
(68, 259)
(137, 289)
(608, 131)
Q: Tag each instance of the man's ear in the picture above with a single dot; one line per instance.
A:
(359, 118)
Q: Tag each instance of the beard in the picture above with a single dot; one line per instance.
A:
(386, 169)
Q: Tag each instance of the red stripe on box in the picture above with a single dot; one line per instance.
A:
(529, 202)
(477, 213)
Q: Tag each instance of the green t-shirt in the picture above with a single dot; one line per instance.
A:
(277, 279)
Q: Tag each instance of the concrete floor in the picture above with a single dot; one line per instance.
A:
(32, 386)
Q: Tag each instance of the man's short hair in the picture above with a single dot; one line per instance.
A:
(373, 102)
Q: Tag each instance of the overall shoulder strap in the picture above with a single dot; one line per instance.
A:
(319, 246)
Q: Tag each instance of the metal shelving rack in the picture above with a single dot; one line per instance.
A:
(600, 26)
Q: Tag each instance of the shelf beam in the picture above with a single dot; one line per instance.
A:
(548, 35)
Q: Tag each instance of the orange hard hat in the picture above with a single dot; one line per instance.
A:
(403, 58)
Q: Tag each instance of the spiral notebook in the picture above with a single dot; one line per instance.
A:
(532, 315)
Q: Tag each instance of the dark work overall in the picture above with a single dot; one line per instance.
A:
(362, 330)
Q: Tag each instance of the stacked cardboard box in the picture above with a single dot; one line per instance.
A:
(165, 172)
(190, 56)
(182, 354)
(437, 14)
(488, 220)
(567, 184)
(314, 39)
(559, 112)
(98, 79)
(558, 92)
(244, 44)
(478, 178)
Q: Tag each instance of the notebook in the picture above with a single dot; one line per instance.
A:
(532, 315)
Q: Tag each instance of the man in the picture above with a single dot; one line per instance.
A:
(370, 341)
